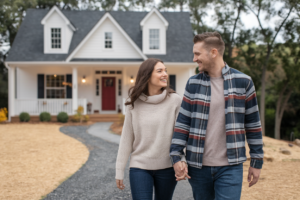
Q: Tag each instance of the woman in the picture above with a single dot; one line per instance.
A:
(150, 117)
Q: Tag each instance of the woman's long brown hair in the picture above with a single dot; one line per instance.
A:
(141, 84)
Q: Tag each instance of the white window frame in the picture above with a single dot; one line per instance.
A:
(59, 39)
(55, 88)
(108, 40)
(154, 37)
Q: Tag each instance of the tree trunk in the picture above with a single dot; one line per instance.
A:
(280, 110)
(262, 99)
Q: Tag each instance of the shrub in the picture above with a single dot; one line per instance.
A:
(121, 119)
(3, 114)
(62, 117)
(45, 117)
(76, 118)
(24, 117)
(79, 117)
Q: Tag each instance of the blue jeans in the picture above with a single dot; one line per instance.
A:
(142, 182)
(219, 183)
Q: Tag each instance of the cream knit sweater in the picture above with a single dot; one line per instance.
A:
(147, 133)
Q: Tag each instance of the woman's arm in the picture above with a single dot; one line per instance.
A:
(125, 146)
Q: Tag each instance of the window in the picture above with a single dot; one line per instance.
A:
(55, 38)
(108, 72)
(55, 89)
(108, 40)
(154, 38)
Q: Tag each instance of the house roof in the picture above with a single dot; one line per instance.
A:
(29, 42)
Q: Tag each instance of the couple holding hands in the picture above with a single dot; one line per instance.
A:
(200, 137)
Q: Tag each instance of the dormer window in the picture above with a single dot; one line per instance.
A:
(108, 40)
(55, 38)
(154, 38)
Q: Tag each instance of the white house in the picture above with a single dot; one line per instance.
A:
(62, 59)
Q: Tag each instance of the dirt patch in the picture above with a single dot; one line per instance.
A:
(35, 159)
(116, 128)
(279, 180)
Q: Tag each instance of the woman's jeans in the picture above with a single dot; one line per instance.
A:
(142, 182)
(217, 183)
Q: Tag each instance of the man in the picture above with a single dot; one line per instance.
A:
(219, 108)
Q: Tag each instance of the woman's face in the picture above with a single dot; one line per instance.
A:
(159, 77)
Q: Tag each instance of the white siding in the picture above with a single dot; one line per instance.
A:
(56, 21)
(154, 22)
(94, 46)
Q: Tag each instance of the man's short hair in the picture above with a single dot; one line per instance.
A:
(211, 40)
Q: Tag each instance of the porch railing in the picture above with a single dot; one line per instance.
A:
(53, 106)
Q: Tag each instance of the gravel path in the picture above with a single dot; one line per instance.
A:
(96, 178)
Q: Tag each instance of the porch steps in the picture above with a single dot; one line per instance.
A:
(93, 118)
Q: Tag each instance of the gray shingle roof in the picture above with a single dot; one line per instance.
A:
(28, 44)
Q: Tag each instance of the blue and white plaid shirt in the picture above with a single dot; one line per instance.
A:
(241, 118)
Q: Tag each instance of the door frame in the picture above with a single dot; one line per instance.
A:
(98, 99)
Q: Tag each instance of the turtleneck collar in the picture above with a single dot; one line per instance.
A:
(155, 99)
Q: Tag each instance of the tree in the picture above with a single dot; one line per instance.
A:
(228, 15)
(172, 4)
(269, 35)
(289, 53)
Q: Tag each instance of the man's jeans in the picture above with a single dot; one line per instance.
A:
(142, 183)
(217, 183)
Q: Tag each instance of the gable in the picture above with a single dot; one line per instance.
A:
(57, 20)
(94, 47)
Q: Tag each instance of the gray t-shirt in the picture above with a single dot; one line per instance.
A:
(215, 150)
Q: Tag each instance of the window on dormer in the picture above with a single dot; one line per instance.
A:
(55, 38)
(154, 38)
(108, 40)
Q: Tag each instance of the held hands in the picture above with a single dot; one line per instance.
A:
(253, 174)
(120, 184)
(181, 171)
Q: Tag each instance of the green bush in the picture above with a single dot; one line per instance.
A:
(24, 117)
(45, 117)
(62, 117)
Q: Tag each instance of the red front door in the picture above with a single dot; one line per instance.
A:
(108, 93)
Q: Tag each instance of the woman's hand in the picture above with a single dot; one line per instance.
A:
(120, 184)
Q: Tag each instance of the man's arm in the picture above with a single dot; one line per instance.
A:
(182, 128)
(253, 134)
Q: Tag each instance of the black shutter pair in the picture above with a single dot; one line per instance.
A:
(41, 86)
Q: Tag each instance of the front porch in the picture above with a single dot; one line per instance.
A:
(62, 87)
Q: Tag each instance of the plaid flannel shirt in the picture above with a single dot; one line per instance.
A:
(241, 118)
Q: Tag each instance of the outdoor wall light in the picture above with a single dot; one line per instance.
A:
(54, 75)
(83, 79)
(131, 79)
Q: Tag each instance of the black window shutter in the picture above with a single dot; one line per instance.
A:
(172, 82)
(69, 89)
(41, 86)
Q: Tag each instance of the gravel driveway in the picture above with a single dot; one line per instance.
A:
(96, 179)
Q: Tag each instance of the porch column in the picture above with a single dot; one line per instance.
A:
(11, 92)
(75, 90)
(192, 71)
(124, 89)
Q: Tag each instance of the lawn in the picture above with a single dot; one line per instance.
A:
(35, 159)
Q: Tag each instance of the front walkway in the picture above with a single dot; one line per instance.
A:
(96, 179)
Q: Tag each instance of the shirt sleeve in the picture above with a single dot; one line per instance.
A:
(182, 128)
(125, 146)
(253, 127)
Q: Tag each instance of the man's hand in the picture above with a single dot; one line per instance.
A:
(120, 184)
(181, 171)
(253, 176)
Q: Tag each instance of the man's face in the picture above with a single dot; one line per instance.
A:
(202, 56)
